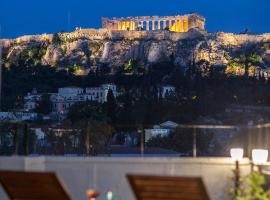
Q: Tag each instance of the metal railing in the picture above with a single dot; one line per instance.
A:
(257, 136)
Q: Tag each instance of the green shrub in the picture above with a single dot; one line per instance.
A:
(129, 66)
(252, 188)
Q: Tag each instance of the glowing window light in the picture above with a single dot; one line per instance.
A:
(237, 154)
(259, 156)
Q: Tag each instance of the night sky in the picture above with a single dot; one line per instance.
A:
(20, 17)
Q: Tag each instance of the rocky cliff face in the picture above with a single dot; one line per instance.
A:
(89, 47)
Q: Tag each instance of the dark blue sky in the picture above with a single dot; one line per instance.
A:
(20, 17)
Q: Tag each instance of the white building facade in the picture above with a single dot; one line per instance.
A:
(68, 96)
(161, 130)
(18, 116)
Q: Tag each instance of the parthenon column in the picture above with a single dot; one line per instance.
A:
(153, 25)
(119, 26)
(123, 25)
(185, 25)
(176, 25)
(127, 25)
(135, 25)
(147, 25)
(158, 25)
(180, 25)
(141, 24)
(170, 23)
(132, 26)
(164, 24)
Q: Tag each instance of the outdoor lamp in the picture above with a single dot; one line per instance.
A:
(237, 154)
(110, 196)
(92, 194)
(259, 156)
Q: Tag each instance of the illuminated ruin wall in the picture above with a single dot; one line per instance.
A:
(179, 23)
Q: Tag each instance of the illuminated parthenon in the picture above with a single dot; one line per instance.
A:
(179, 23)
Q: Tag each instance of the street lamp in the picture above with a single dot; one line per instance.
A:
(237, 155)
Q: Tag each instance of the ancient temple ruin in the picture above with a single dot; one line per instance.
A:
(179, 23)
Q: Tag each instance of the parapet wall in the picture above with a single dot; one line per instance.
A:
(80, 173)
(239, 39)
(105, 34)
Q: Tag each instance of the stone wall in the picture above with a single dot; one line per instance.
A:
(80, 173)
(104, 34)
(235, 40)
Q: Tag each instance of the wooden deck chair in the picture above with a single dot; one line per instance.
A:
(32, 186)
(167, 188)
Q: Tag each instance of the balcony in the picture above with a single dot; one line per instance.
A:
(103, 174)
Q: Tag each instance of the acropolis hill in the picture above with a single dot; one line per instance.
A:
(113, 48)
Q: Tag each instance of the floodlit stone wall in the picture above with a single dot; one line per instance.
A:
(104, 34)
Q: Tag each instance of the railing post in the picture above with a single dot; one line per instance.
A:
(25, 140)
(16, 140)
(141, 131)
(194, 151)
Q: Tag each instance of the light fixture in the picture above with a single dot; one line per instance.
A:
(259, 156)
(92, 194)
(237, 154)
(110, 196)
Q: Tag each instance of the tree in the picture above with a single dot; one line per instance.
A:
(91, 119)
(129, 66)
(179, 141)
(250, 56)
(245, 60)
(6, 137)
(249, 59)
(45, 105)
(96, 135)
(86, 110)
(125, 118)
(111, 107)
(56, 39)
